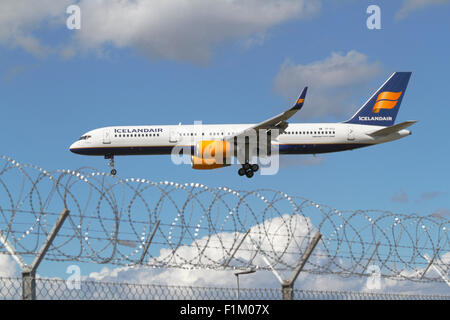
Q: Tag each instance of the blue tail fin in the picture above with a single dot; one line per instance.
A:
(382, 108)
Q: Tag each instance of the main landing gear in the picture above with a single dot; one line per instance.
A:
(111, 163)
(248, 169)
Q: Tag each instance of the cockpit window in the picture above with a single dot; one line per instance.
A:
(84, 138)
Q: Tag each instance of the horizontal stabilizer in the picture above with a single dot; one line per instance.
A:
(392, 129)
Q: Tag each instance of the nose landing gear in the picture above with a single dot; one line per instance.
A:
(111, 163)
(248, 169)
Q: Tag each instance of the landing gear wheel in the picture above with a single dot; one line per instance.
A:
(110, 157)
(248, 169)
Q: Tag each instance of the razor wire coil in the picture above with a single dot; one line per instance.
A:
(113, 219)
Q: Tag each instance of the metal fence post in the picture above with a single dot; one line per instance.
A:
(287, 286)
(28, 284)
(287, 290)
(225, 265)
(29, 271)
(141, 260)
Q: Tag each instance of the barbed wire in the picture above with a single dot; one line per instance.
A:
(191, 226)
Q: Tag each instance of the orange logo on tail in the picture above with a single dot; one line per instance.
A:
(386, 100)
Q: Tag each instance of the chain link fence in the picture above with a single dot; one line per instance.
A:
(56, 289)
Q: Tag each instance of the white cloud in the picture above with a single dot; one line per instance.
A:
(413, 5)
(400, 197)
(430, 195)
(299, 227)
(67, 53)
(330, 82)
(14, 72)
(21, 19)
(265, 279)
(180, 29)
(282, 230)
(441, 213)
(8, 267)
(183, 30)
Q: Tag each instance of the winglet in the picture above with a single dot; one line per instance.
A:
(299, 103)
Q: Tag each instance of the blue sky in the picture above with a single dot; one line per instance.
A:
(56, 84)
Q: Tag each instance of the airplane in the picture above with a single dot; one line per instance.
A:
(212, 146)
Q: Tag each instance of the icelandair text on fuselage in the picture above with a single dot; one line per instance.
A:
(375, 118)
(139, 130)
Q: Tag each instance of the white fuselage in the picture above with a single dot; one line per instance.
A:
(297, 138)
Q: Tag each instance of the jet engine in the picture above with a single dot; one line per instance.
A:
(211, 154)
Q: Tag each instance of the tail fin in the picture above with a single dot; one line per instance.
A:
(382, 107)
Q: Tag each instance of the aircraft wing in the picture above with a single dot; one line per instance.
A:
(277, 122)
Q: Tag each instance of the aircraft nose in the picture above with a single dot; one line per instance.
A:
(73, 147)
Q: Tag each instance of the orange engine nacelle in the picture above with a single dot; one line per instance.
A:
(211, 155)
(206, 164)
